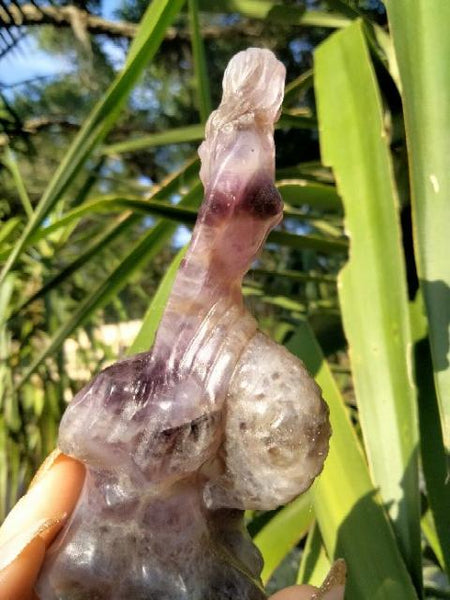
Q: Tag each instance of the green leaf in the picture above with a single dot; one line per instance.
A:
(146, 335)
(276, 12)
(10, 162)
(281, 301)
(8, 228)
(200, 68)
(294, 240)
(174, 183)
(296, 275)
(372, 286)
(146, 248)
(112, 232)
(298, 86)
(157, 18)
(379, 39)
(190, 133)
(296, 121)
(301, 191)
(3, 468)
(109, 204)
(283, 532)
(429, 531)
(311, 171)
(314, 565)
(193, 133)
(187, 216)
(422, 45)
(434, 459)
(352, 520)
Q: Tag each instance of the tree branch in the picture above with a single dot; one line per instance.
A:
(33, 126)
(64, 16)
(77, 19)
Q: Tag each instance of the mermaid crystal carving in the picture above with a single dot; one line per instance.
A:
(215, 418)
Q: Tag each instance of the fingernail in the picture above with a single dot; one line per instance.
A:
(15, 546)
(45, 467)
(333, 588)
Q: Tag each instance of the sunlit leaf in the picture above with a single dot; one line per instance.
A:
(200, 67)
(150, 322)
(372, 286)
(283, 532)
(157, 18)
(422, 45)
(314, 564)
(351, 517)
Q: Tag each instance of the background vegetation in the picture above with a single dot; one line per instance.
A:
(99, 181)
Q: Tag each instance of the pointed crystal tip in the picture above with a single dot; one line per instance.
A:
(239, 134)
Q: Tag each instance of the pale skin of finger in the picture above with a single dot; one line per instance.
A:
(52, 494)
(295, 592)
(16, 580)
(51, 497)
(308, 592)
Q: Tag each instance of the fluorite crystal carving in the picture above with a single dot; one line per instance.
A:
(215, 418)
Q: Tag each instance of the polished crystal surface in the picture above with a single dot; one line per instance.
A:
(215, 418)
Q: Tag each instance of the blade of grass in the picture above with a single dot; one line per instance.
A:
(276, 12)
(294, 240)
(283, 532)
(429, 531)
(146, 248)
(3, 468)
(295, 217)
(290, 119)
(10, 163)
(296, 275)
(298, 192)
(150, 322)
(314, 564)
(109, 204)
(298, 86)
(193, 133)
(379, 40)
(312, 171)
(187, 216)
(434, 460)
(200, 68)
(8, 228)
(174, 183)
(281, 301)
(156, 19)
(372, 286)
(352, 520)
(116, 229)
(190, 133)
(422, 45)
(14, 454)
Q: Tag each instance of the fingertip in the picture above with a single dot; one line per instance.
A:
(34, 522)
(53, 495)
(295, 592)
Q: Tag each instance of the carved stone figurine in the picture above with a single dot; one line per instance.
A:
(215, 418)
